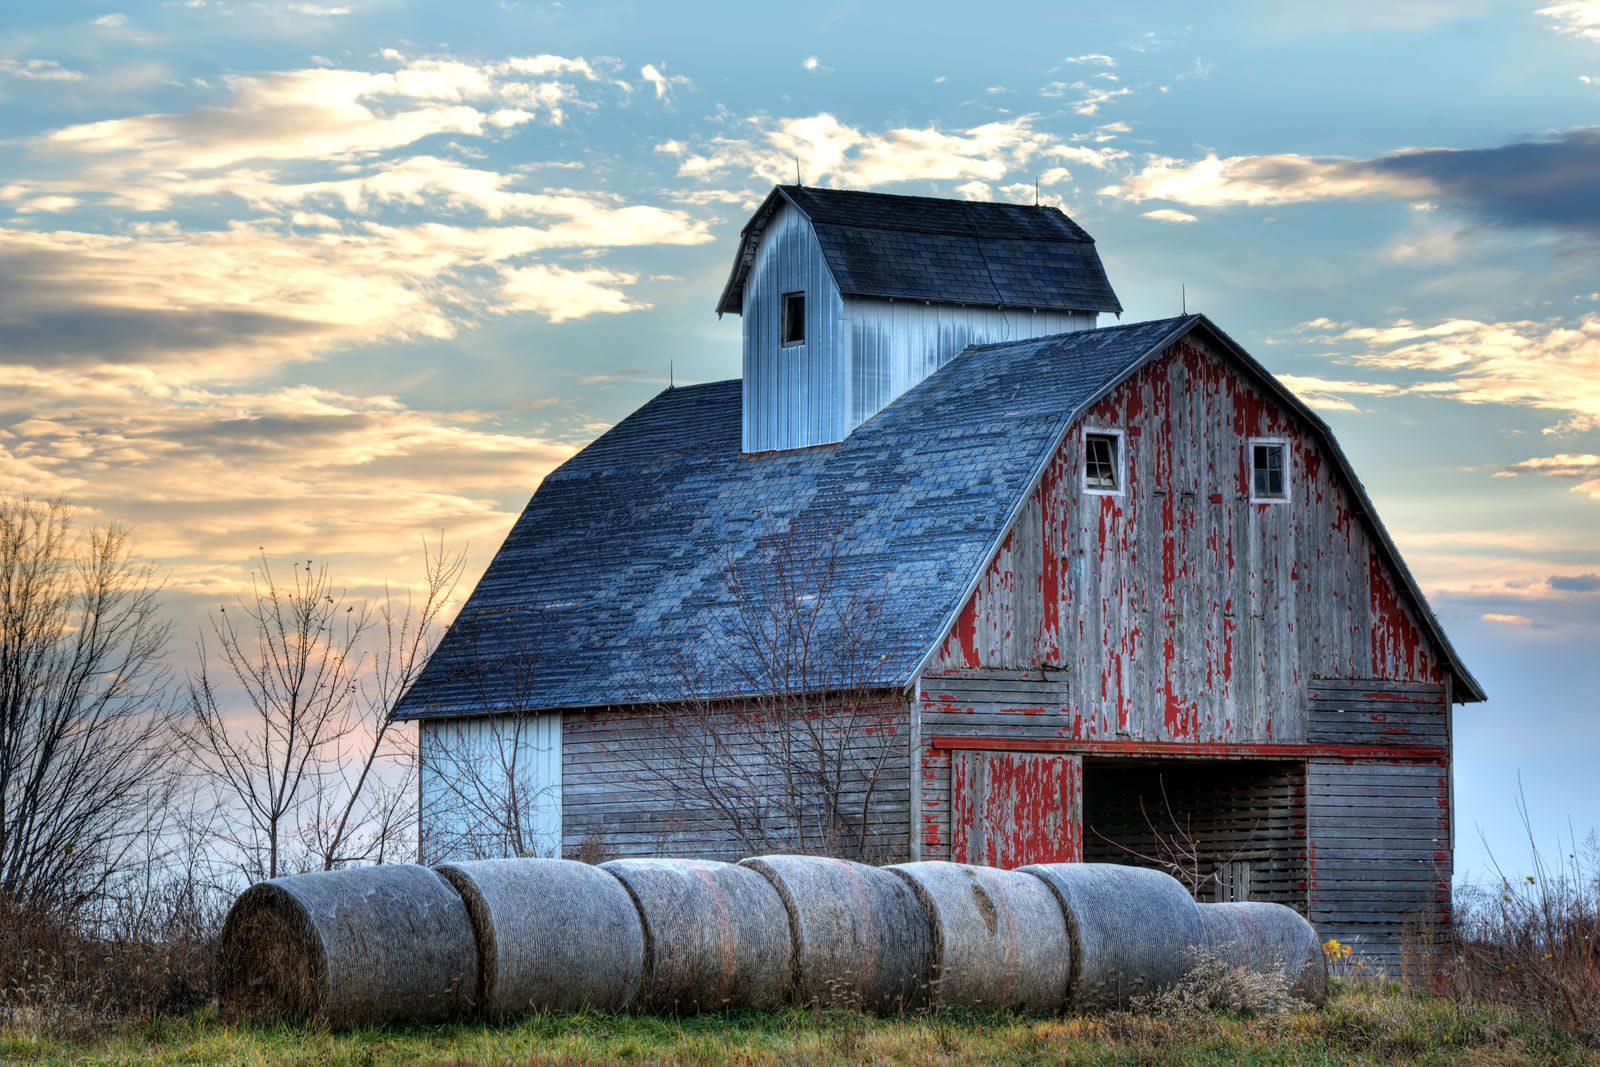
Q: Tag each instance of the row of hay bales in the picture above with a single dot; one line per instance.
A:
(500, 937)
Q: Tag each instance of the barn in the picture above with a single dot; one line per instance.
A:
(954, 572)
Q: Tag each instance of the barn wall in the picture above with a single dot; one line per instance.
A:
(1379, 852)
(794, 395)
(489, 787)
(1179, 610)
(649, 784)
(894, 344)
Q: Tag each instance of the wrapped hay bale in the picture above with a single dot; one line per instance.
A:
(552, 934)
(1134, 931)
(1000, 939)
(1259, 937)
(860, 938)
(716, 935)
(366, 945)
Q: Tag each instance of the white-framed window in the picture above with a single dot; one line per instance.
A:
(793, 324)
(1269, 469)
(1103, 461)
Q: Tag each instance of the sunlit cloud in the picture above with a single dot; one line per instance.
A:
(1553, 366)
(44, 70)
(1547, 183)
(1167, 214)
(1505, 619)
(664, 83)
(1581, 18)
(1582, 469)
(834, 153)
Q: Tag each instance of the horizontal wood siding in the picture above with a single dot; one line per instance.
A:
(894, 344)
(1379, 852)
(616, 792)
(794, 395)
(1375, 712)
(1178, 610)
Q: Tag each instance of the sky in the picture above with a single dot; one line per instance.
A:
(320, 280)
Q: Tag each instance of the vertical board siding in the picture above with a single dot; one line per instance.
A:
(1179, 610)
(894, 344)
(618, 763)
(795, 395)
(487, 784)
(1009, 809)
(1379, 852)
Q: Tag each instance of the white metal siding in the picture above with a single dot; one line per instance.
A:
(894, 344)
(490, 787)
(793, 394)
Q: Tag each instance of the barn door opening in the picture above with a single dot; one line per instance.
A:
(1008, 809)
(1229, 829)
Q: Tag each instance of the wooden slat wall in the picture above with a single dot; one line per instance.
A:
(613, 769)
(1254, 810)
(794, 395)
(1377, 713)
(1379, 851)
(1179, 610)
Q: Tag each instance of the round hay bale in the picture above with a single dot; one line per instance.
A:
(1133, 930)
(999, 937)
(716, 935)
(1259, 936)
(860, 938)
(553, 935)
(365, 945)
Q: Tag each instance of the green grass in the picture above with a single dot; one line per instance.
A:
(1361, 1024)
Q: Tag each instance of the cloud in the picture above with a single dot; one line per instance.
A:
(1506, 620)
(1329, 394)
(1575, 583)
(1549, 365)
(1580, 18)
(834, 153)
(44, 70)
(213, 475)
(1580, 468)
(1167, 214)
(251, 297)
(1090, 97)
(663, 82)
(112, 21)
(1093, 58)
(1547, 183)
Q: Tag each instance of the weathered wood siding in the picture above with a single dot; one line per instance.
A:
(1379, 851)
(1178, 610)
(794, 395)
(628, 783)
(894, 344)
(1361, 712)
(489, 787)
(1010, 809)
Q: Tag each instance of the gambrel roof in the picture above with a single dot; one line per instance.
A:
(607, 586)
(945, 251)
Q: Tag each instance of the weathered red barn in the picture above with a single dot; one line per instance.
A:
(1043, 591)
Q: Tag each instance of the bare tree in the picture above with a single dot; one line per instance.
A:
(1177, 848)
(295, 732)
(787, 733)
(485, 792)
(84, 710)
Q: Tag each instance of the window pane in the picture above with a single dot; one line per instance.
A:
(1100, 462)
(1267, 471)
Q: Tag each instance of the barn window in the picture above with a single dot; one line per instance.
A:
(794, 318)
(1269, 470)
(1102, 461)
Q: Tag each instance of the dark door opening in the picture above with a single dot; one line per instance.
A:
(1229, 829)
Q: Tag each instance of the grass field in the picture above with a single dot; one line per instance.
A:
(1363, 1023)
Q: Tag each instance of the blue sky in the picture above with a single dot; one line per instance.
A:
(323, 278)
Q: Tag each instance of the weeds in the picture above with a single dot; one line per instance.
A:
(1214, 985)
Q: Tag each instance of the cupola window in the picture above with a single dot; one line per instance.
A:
(794, 318)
